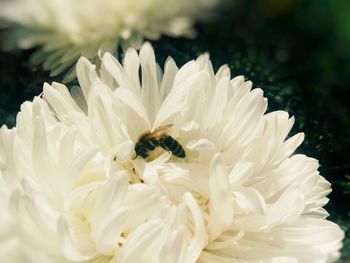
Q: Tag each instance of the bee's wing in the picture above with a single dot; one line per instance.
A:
(159, 131)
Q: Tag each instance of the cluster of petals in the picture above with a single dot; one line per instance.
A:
(67, 29)
(73, 190)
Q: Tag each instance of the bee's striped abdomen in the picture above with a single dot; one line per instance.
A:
(170, 144)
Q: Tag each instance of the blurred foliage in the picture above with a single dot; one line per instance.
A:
(297, 51)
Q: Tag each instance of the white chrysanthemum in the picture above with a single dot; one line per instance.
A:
(67, 29)
(75, 192)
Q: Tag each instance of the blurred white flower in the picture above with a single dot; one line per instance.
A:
(67, 29)
(75, 191)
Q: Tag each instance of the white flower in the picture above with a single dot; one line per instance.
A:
(67, 29)
(71, 176)
(66, 208)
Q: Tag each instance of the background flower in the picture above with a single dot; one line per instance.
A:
(240, 193)
(67, 29)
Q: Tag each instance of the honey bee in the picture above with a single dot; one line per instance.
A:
(150, 140)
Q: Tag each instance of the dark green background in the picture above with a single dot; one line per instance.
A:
(298, 52)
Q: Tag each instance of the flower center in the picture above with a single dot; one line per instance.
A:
(134, 177)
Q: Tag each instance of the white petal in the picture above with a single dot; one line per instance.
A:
(170, 70)
(70, 249)
(150, 89)
(109, 231)
(214, 115)
(124, 151)
(86, 75)
(111, 197)
(221, 203)
(144, 244)
(201, 144)
(174, 250)
(249, 201)
(200, 238)
(118, 73)
(131, 64)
